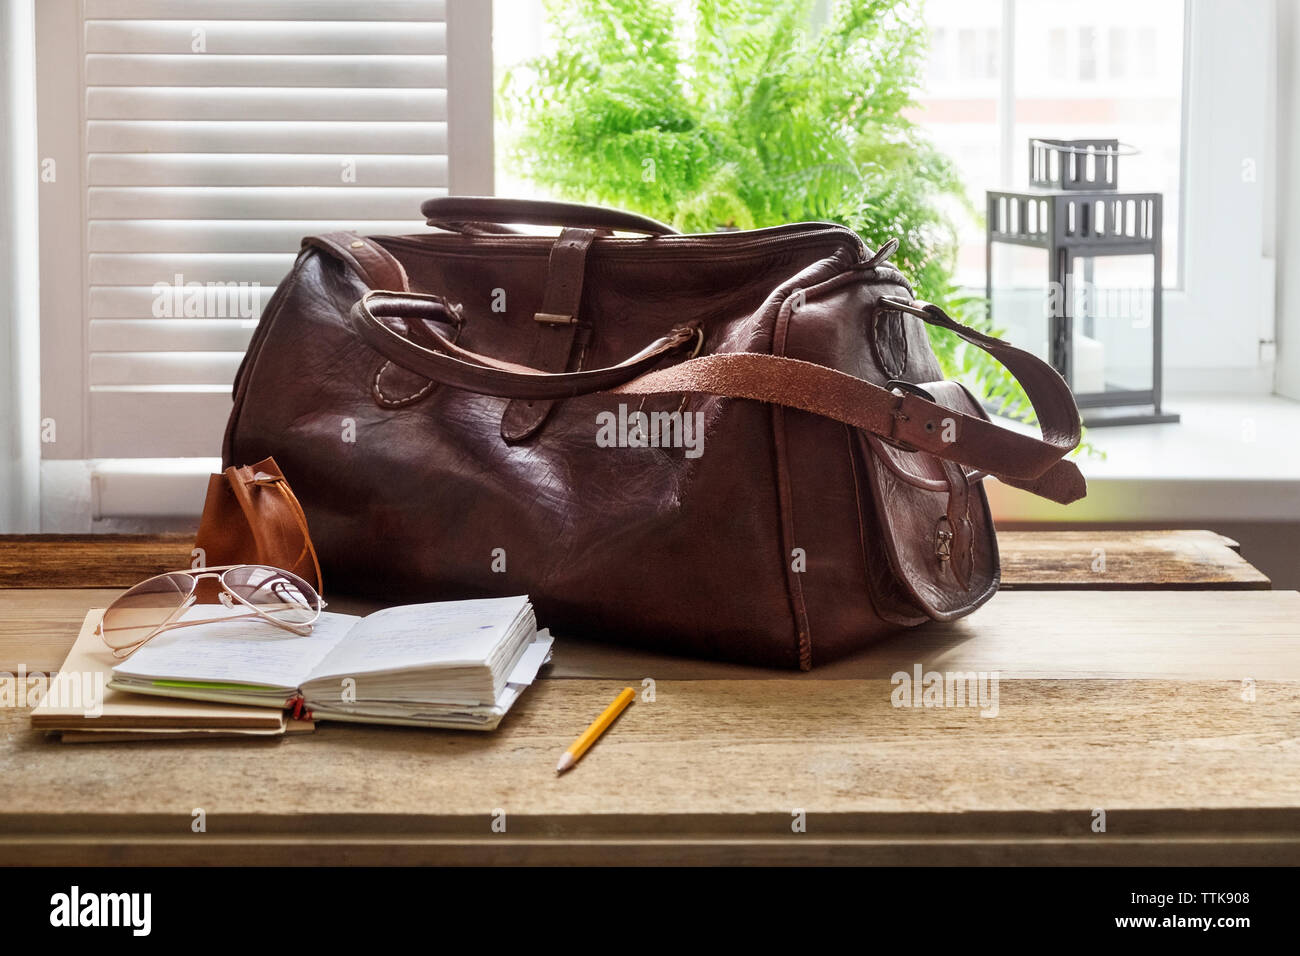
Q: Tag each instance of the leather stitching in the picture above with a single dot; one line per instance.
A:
(377, 390)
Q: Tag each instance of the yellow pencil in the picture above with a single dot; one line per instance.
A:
(598, 727)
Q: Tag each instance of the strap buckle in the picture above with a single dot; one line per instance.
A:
(551, 318)
(901, 390)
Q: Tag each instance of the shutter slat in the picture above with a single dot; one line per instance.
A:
(170, 335)
(197, 169)
(299, 10)
(233, 270)
(209, 69)
(255, 202)
(158, 422)
(229, 235)
(243, 103)
(290, 39)
(137, 302)
(140, 136)
(163, 368)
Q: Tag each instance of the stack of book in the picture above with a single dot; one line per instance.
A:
(453, 664)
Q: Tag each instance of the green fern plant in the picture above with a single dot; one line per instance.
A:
(751, 113)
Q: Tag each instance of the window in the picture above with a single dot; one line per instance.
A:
(188, 148)
(1073, 76)
(1117, 46)
(1193, 87)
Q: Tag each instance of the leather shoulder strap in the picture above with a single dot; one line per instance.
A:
(905, 417)
(376, 266)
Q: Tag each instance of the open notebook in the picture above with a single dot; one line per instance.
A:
(455, 664)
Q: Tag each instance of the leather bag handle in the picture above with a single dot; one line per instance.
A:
(902, 417)
(453, 365)
(491, 213)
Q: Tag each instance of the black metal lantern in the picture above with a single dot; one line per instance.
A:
(1102, 327)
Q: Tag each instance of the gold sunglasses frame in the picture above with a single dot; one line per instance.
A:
(189, 600)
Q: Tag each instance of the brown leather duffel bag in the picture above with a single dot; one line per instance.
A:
(733, 445)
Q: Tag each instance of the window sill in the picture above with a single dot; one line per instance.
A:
(1231, 458)
(150, 487)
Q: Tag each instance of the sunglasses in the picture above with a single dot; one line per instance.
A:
(156, 604)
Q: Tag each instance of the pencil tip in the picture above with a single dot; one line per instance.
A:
(566, 761)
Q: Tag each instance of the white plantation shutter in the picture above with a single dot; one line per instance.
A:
(212, 135)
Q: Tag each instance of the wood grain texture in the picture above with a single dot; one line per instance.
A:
(1137, 560)
(1175, 635)
(89, 560)
(38, 627)
(710, 772)
(1192, 635)
(1030, 559)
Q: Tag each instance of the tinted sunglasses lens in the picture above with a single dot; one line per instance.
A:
(281, 594)
(137, 613)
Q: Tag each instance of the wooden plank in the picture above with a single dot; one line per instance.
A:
(1030, 559)
(89, 560)
(38, 627)
(1056, 635)
(1101, 560)
(709, 772)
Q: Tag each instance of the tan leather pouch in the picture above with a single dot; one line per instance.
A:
(251, 516)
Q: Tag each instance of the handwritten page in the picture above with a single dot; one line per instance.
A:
(244, 651)
(449, 633)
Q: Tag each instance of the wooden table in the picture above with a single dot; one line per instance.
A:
(1174, 711)
(1030, 559)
